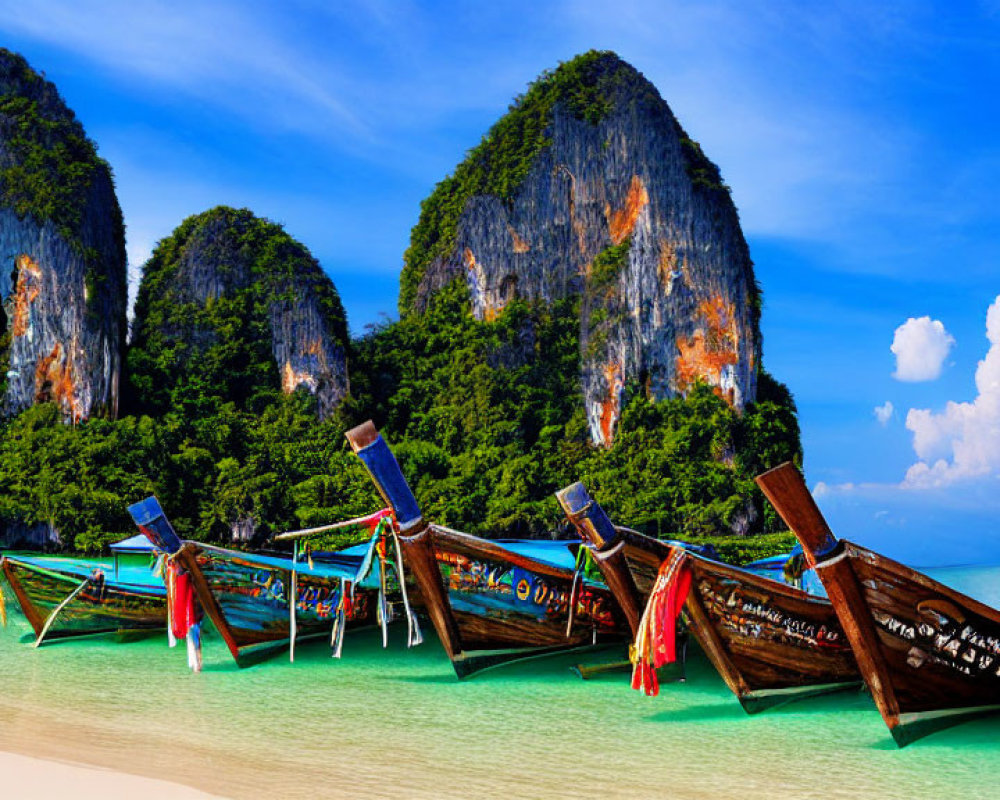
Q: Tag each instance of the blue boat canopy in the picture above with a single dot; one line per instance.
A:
(133, 544)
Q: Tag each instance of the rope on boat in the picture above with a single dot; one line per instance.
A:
(656, 641)
(161, 570)
(345, 607)
(384, 611)
(340, 621)
(582, 566)
(293, 601)
(56, 611)
(413, 633)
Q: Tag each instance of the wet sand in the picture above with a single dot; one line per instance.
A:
(27, 778)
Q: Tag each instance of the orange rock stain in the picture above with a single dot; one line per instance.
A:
(621, 223)
(667, 269)
(29, 285)
(704, 355)
(520, 245)
(611, 406)
(55, 382)
(291, 378)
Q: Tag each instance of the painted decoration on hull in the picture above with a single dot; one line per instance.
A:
(253, 596)
(491, 588)
(751, 616)
(929, 632)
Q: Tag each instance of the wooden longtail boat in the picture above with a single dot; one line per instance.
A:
(770, 642)
(246, 594)
(489, 603)
(930, 655)
(63, 598)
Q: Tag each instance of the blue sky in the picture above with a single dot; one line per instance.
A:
(860, 141)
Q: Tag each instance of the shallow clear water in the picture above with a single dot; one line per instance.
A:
(398, 723)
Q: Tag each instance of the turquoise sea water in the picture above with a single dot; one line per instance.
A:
(397, 723)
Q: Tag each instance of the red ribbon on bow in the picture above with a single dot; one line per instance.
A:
(184, 609)
(656, 640)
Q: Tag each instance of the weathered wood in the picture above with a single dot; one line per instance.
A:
(489, 604)
(786, 490)
(759, 661)
(770, 642)
(617, 575)
(421, 562)
(35, 619)
(929, 654)
(588, 671)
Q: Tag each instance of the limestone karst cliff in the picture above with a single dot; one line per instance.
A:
(590, 188)
(62, 255)
(231, 308)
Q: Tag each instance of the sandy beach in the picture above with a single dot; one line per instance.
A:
(27, 778)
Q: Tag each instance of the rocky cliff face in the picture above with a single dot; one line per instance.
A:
(589, 187)
(231, 306)
(62, 255)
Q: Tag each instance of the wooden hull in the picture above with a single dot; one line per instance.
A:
(117, 607)
(491, 605)
(246, 597)
(931, 654)
(770, 642)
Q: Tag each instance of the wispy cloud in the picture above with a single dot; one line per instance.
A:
(232, 55)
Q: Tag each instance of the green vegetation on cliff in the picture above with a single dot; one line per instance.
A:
(487, 418)
(502, 160)
(49, 163)
(487, 422)
(203, 315)
(588, 86)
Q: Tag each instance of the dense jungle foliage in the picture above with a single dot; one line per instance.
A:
(486, 419)
(47, 163)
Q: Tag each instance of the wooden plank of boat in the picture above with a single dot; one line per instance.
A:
(588, 671)
(770, 642)
(246, 594)
(489, 603)
(98, 607)
(627, 559)
(930, 655)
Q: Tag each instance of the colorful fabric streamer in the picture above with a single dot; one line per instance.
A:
(184, 612)
(656, 641)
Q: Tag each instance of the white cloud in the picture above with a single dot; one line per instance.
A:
(963, 441)
(884, 412)
(921, 345)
